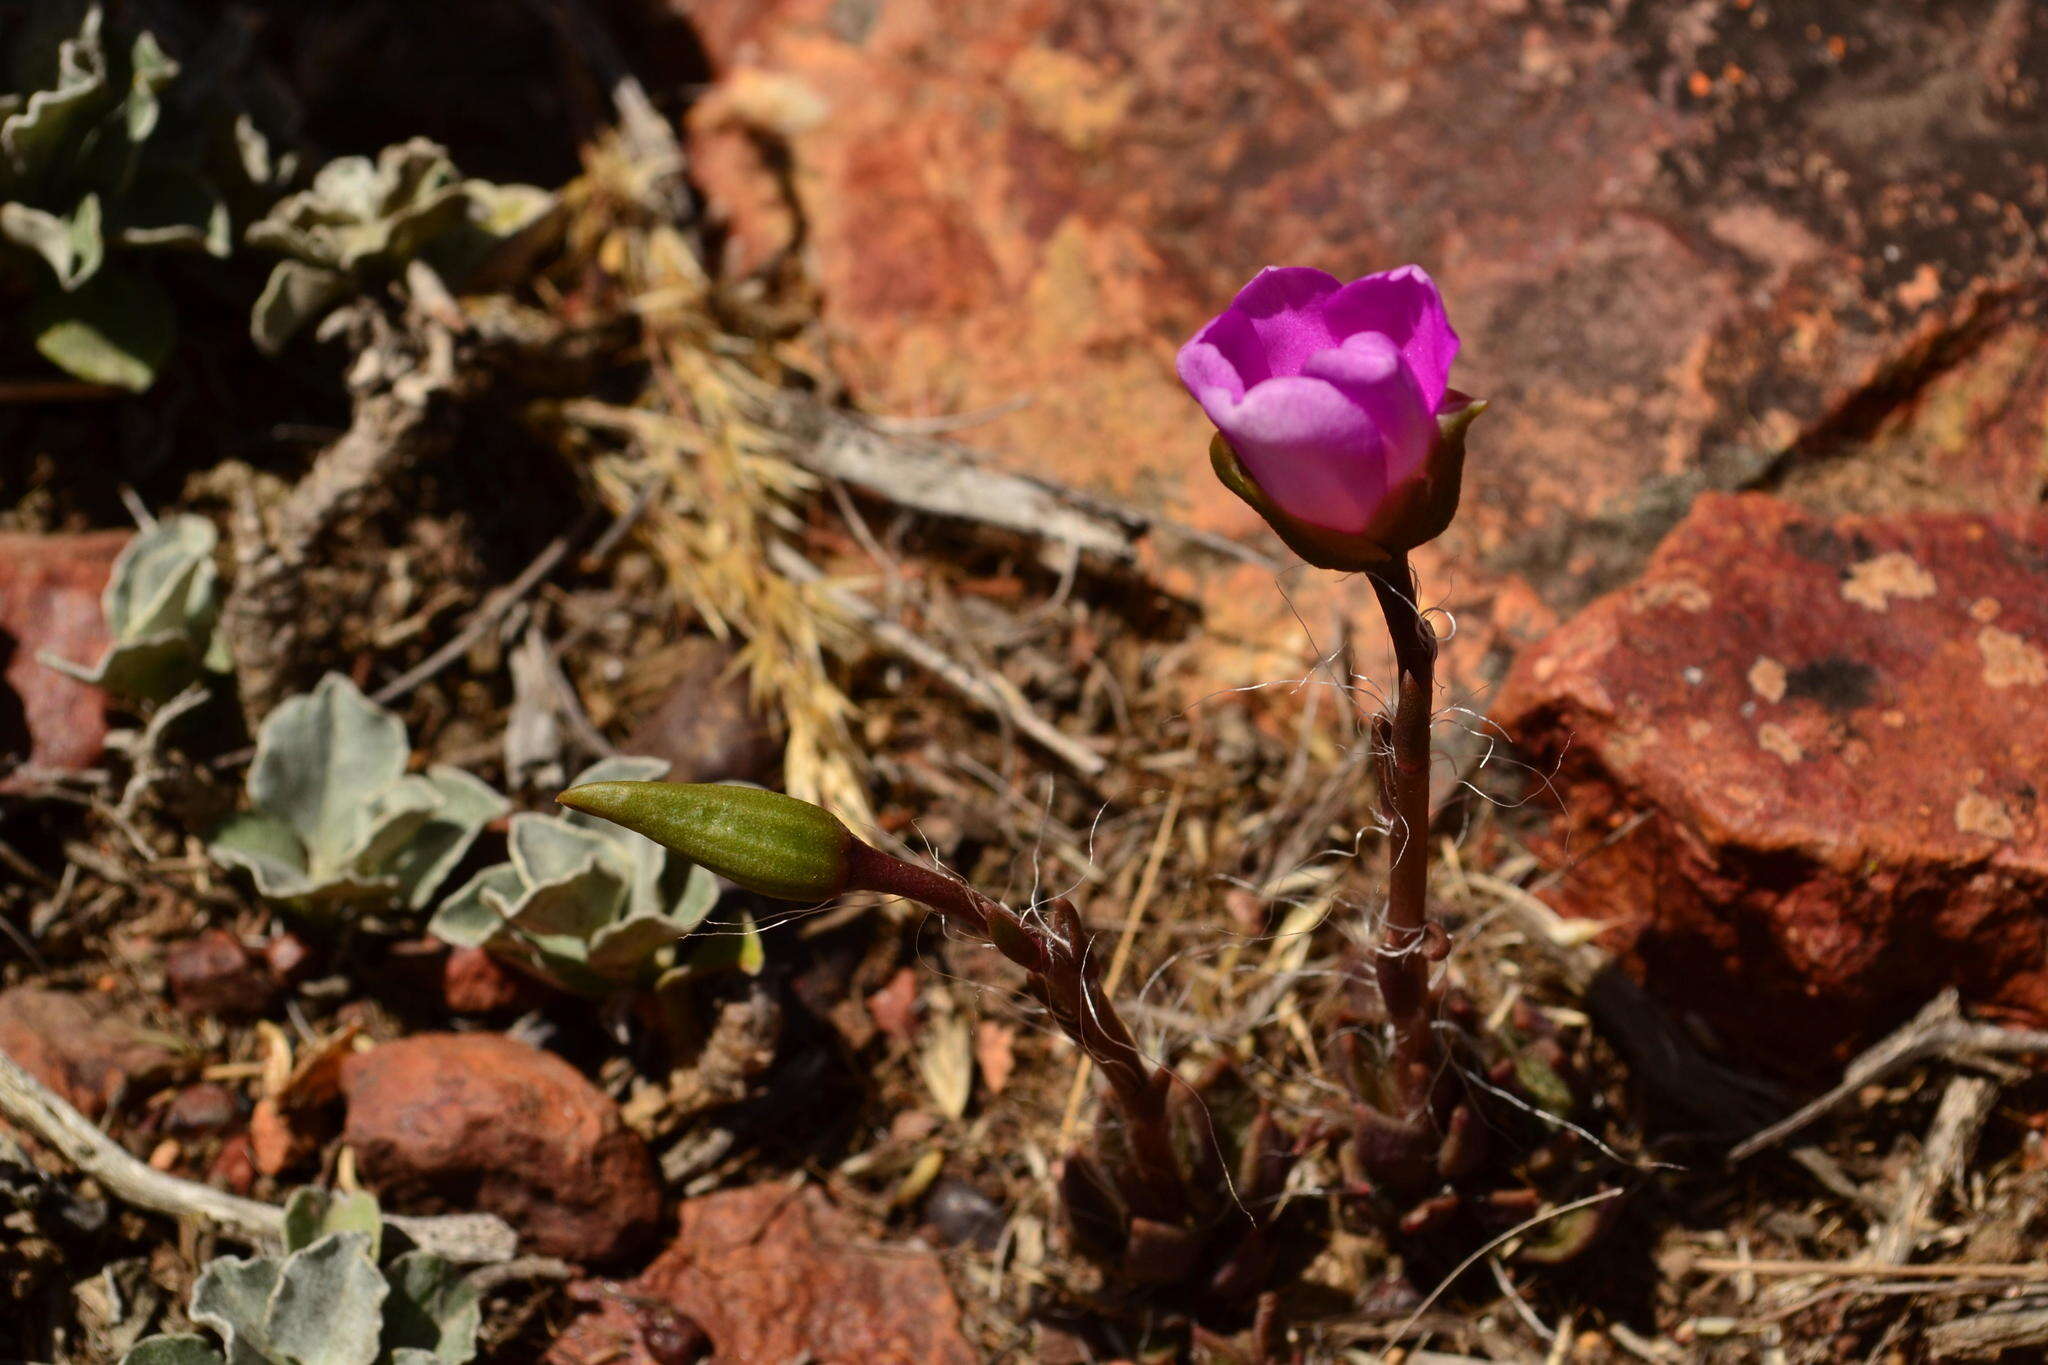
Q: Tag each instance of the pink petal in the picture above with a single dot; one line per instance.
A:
(1311, 448)
(1369, 371)
(1284, 306)
(1405, 306)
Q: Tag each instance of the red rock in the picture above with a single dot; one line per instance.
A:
(705, 724)
(76, 1045)
(1041, 201)
(1800, 762)
(773, 1273)
(478, 1120)
(50, 590)
(474, 982)
(216, 974)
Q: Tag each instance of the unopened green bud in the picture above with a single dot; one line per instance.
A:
(771, 844)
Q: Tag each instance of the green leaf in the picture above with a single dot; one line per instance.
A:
(574, 907)
(232, 1296)
(469, 919)
(295, 296)
(547, 850)
(162, 604)
(319, 758)
(432, 1309)
(183, 1350)
(71, 244)
(172, 206)
(310, 1214)
(117, 329)
(266, 848)
(729, 948)
(152, 585)
(328, 1307)
(36, 138)
(467, 804)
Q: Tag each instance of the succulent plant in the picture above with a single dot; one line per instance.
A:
(107, 149)
(343, 1293)
(583, 903)
(162, 605)
(363, 221)
(1212, 1235)
(335, 820)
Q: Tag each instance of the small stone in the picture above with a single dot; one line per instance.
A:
(894, 1007)
(959, 1213)
(289, 958)
(276, 1143)
(771, 1273)
(705, 724)
(214, 974)
(478, 1120)
(204, 1108)
(77, 1045)
(1882, 836)
(234, 1166)
(626, 1329)
(474, 982)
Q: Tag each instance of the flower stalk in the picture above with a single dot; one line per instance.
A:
(1410, 941)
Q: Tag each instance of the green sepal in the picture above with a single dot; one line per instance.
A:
(771, 844)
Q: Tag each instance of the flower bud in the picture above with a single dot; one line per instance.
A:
(1335, 418)
(771, 844)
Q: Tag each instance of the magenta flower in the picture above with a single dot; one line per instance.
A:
(1329, 395)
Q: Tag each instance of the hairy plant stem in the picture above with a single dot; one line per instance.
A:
(1407, 945)
(1066, 978)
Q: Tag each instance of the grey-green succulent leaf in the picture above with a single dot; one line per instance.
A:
(311, 1213)
(362, 221)
(337, 1295)
(162, 607)
(433, 1311)
(110, 149)
(179, 1350)
(335, 821)
(582, 903)
(328, 1307)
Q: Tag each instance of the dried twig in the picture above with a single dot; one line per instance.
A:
(481, 620)
(26, 1101)
(1965, 1104)
(1873, 1270)
(941, 478)
(1990, 1333)
(392, 430)
(1938, 1030)
(990, 690)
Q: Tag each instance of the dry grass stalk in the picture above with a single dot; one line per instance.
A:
(728, 491)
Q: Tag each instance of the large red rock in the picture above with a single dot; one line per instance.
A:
(1682, 238)
(768, 1272)
(1800, 766)
(481, 1121)
(50, 590)
(77, 1045)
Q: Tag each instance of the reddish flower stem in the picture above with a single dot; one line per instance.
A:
(1403, 957)
(1065, 977)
